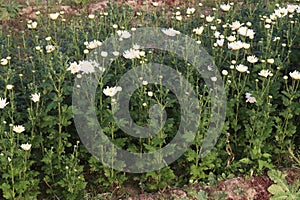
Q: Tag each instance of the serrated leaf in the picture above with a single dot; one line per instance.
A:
(275, 189)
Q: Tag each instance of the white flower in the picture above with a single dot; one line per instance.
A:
(91, 16)
(48, 38)
(9, 87)
(267, 26)
(270, 60)
(285, 77)
(115, 53)
(150, 94)
(213, 79)
(231, 38)
(123, 34)
(3, 102)
(217, 34)
(246, 45)
(50, 48)
(236, 45)
(241, 68)
(155, 4)
(104, 54)
(225, 72)
(93, 44)
(249, 98)
(35, 97)
(74, 68)
(199, 30)
(4, 61)
(252, 59)
(32, 25)
(209, 18)
(190, 11)
(18, 128)
(220, 42)
(179, 18)
(295, 75)
(145, 82)
(53, 16)
(26, 147)
(265, 73)
(235, 25)
(245, 31)
(225, 7)
(133, 53)
(281, 12)
(291, 8)
(111, 91)
(170, 32)
(86, 67)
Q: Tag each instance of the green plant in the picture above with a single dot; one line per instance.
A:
(281, 189)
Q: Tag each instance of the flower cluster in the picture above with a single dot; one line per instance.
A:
(85, 67)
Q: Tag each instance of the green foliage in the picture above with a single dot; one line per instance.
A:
(281, 189)
(9, 9)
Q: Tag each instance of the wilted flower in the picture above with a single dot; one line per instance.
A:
(190, 11)
(3, 102)
(170, 32)
(249, 98)
(111, 91)
(4, 61)
(265, 73)
(26, 147)
(35, 97)
(18, 128)
(199, 30)
(225, 7)
(209, 18)
(252, 59)
(241, 68)
(53, 16)
(295, 75)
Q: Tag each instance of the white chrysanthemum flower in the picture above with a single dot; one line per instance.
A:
(150, 93)
(155, 4)
(291, 8)
(236, 25)
(224, 72)
(179, 17)
(217, 34)
(295, 75)
(225, 7)
(209, 18)
(32, 25)
(220, 42)
(281, 12)
(213, 79)
(136, 46)
(50, 48)
(133, 53)
(54, 16)
(270, 60)
(3, 103)
(18, 128)
(199, 30)
(87, 67)
(190, 11)
(74, 68)
(241, 68)
(104, 54)
(145, 82)
(251, 100)
(170, 32)
(91, 16)
(4, 61)
(93, 44)
(252, 59)
(35, 97)
(111, 91)
(231, 38)
(265, 73)
(236, 45)
(26, 147)
(9, 87)
(116, 53)
(123, 34)
(246, 45)
(245, 31)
